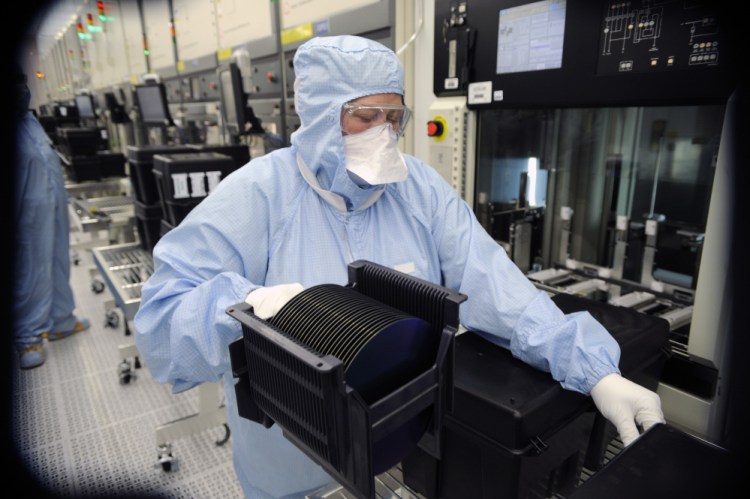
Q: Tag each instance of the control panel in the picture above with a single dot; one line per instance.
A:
(198, 88)
(452, 132)
(173, 90)
(581, 53)
(266, 76)
(205, 87)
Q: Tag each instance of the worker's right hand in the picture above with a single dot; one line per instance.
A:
(269, 300)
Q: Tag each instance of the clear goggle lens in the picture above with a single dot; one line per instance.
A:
(356, 118)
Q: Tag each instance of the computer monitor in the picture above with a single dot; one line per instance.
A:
(107, 101)
(85, 105)
(114, 107)
(152, 104)
(530, 37)
(233, 106)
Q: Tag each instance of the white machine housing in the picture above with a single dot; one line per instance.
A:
(452, 153)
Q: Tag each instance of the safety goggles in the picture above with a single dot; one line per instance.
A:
(356, 118)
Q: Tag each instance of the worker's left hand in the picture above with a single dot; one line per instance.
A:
(627, 404)
(269, 300)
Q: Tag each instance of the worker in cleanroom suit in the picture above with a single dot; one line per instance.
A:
(43, 302)
(296, 217)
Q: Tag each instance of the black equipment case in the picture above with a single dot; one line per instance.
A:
(141, 162)
(666, 462)
(500, 428)
(176, 208)
(513, 431)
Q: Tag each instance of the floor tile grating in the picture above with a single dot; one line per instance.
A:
(80, 432)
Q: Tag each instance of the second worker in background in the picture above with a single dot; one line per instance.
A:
(43, 301)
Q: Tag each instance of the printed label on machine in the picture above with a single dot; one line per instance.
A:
(480, 92)
(197, 182)
(451, 83)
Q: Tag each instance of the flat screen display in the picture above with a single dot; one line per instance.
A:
(227, 99)
(233, 99)
(530, 37)
(85, 106)
(152, 104)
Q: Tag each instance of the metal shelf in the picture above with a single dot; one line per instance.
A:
(124, 268)
(112, 186)
(103, 213)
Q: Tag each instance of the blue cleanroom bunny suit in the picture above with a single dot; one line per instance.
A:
(295, 215)
(43, 298)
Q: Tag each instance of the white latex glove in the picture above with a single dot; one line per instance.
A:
(269, 300)
(626, 404)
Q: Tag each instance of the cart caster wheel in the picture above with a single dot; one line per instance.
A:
(97, 286)
(224, 440)
(166, 460)
(137, 362)
(125, 373)
(113, 320)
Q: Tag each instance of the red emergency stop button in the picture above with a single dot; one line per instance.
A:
(271, 77)
(435, 128)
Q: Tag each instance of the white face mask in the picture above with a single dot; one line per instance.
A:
(374, 157)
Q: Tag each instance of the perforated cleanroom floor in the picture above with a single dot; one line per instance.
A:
(81, 432)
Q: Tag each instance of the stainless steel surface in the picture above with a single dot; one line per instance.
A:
(125, 268)
(678, 317)
(93, 189)
(103, 213)
(633, 300)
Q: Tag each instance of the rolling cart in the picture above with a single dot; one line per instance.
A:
(114, 214)
(125, 268)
